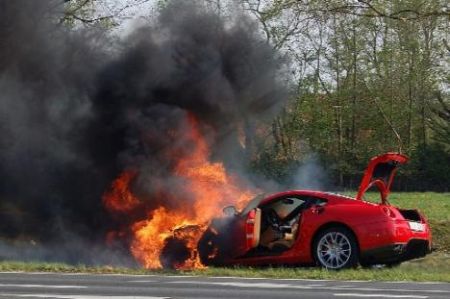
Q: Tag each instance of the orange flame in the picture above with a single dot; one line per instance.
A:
(211, 188)
(119, 198)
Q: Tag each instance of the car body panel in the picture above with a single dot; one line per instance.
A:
(380, 173)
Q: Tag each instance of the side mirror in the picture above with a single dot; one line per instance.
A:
(229, 211)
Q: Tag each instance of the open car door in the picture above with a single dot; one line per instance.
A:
(247, 232)
(380, 173)
(253, 229)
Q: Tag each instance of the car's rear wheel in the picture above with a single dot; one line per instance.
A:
(336, 248)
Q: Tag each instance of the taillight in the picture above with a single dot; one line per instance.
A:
(388, 212)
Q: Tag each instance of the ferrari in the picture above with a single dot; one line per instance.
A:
(305, 227)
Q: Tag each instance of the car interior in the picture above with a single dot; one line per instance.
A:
(277, 225)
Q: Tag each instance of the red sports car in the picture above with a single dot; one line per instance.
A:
(314, 227)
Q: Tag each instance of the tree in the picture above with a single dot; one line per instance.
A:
(366, 73)
(441, 120)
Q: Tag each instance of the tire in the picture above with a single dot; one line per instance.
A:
(207, 246)
(336, 248)
(175, 252)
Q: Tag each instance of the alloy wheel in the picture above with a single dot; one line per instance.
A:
(334, 250)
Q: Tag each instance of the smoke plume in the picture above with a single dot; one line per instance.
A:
(77, 109)
(310, 175)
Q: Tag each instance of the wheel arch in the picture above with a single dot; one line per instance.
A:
(328, 225)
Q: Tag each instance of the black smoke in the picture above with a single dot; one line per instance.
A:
(76, 109)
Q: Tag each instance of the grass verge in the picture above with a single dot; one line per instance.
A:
(434, 267)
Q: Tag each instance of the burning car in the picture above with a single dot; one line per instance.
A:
(314, 227)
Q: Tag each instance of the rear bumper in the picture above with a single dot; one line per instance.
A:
(398, 252)
(393, 241)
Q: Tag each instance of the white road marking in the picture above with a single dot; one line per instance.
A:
(220, 277)
(308, 286)
(265, 278)
(270, 285)
(412, 282)
(176, 276)
(312, 280)
(378, 296)
(59, 296)
(263, 285)
(43, 286)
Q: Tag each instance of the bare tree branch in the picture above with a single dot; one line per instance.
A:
(386, 119)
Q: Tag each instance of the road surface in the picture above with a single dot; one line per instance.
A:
(89, 286)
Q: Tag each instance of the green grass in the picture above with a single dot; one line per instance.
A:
(435, 206)
(434, 267)
(37, 266)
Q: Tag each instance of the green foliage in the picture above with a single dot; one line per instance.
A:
(268, 166)
(78, 12)
(367, 81)
(430, 167)
(440, 120)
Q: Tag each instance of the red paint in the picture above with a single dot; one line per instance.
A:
(370, 179)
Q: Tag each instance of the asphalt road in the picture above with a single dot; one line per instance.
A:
(87, 286)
